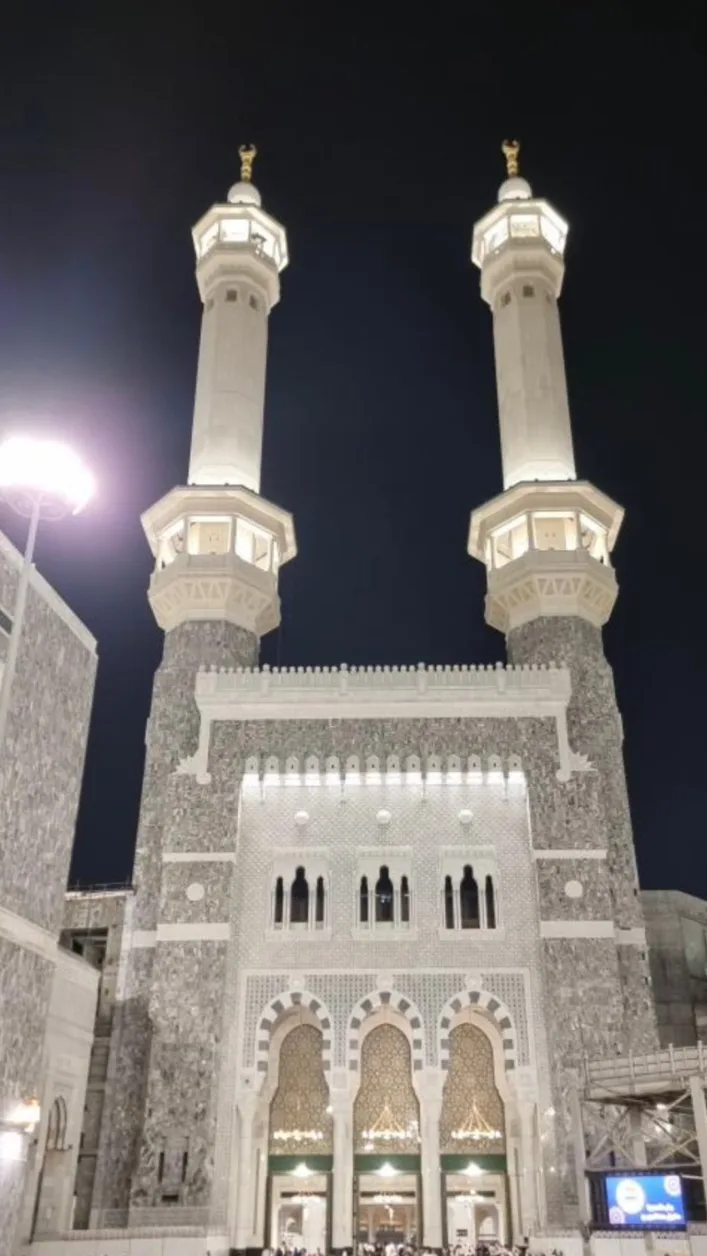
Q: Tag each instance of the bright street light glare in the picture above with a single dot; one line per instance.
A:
(46, 468)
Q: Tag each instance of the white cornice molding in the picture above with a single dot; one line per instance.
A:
(572, 852)
(344, 693)
(577, 929)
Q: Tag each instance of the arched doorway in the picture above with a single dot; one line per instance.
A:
(386, 1139)
(472, 1135)
(298, 1195)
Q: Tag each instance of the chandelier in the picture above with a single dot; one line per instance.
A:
(476, 1129)
(387, 1130)
(388, 1199)
(297, 1135)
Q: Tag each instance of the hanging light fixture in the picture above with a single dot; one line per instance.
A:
(298, 1135)
(476, 1129)
(387, 1130)
(388, 1200)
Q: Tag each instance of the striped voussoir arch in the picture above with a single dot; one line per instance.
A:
(490, 1004)
(371, 1003)
(272, 1014)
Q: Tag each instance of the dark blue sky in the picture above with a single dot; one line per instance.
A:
(379, 135)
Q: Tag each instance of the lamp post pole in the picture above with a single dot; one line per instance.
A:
(18, 617)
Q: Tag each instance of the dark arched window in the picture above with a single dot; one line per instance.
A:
(363, 901)
(319, 902)
(404, 901)
(490, 904)
(469, 900)
(56, 1126)
(448, 903)
(384, 897)
(279, 909)
(299, 899)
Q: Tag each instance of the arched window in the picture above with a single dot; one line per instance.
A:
(448, 903)
(299, 899)
(279, 908)
(363, 901)
(56, 1125)
(384, 897)
(469, 900)
(405, 901)
(319, 902)
(490, 904)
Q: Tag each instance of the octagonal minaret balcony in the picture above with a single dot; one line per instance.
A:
(546, 541)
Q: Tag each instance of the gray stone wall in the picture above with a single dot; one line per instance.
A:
(172, 736)
(41, 768)
(598, 995)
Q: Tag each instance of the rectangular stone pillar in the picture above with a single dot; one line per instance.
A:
(342, 1190)
(245, 1212)
(430, 1093)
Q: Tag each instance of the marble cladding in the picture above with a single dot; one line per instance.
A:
(126, 1082)
(172, 734)
(559, 882)
(41, 766)
(25, 990)
(595, 730)
(186, 1013)
(585, 1020)
(211, 881)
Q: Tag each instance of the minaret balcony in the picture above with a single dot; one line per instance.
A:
(218, 551)
(547, 551)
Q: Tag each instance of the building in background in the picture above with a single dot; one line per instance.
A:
(41, 768)
(676, 930)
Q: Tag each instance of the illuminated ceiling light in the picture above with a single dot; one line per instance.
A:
(302, 1171)
(387, 1170)
(472, 1170)
(388, 1199)
(298, 1135)
(476, 1129)
(387, 1130)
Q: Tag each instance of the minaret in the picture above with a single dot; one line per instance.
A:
(218, 544)
(547, 540)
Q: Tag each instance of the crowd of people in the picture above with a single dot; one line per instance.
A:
(402, 1249)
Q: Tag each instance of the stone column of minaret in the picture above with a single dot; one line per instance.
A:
(218, 547)
(547, 542)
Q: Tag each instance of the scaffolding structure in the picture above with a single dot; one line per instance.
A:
(642, 1113)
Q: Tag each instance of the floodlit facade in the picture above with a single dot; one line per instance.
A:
(383, 916)
(44, 1000)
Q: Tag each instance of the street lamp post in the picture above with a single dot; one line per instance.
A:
(40, 479)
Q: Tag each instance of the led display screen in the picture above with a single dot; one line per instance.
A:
(645, 1201)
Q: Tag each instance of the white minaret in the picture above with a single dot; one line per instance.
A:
(546, 541)
(217, 542)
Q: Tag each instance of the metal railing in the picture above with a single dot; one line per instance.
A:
(630, 1073)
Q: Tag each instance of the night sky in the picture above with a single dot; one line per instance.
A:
(379, 138)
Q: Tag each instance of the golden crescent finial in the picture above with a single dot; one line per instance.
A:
(247, 154)
(510, 150)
